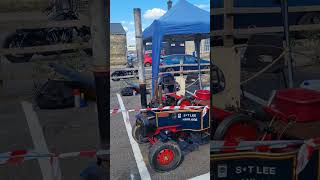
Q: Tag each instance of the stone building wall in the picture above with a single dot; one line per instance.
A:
(189, 49)
(118, 49)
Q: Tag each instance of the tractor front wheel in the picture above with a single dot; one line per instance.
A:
(164, 157)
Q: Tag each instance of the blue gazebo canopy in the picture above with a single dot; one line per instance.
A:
(183, 21)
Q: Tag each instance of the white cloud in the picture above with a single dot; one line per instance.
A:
(154, 13)
(204, 6)
(125, 28)
(144, 26)
(131, 36)
(131, 23)
(131, 40)
(123, 22)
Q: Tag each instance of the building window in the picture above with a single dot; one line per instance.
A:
(207, 45)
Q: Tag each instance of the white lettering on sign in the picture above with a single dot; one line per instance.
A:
(272, 170)
(222, 171)
(179, 115)
(188, 117)
(263, 170)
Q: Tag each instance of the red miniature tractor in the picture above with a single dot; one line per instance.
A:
(173, 131)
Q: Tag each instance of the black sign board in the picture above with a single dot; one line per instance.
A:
(185, 119)
(253, 166)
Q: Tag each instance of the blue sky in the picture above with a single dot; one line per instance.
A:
(121, 11)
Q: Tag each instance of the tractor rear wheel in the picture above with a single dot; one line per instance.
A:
(165, 156)
(238, 127)
(137, 134)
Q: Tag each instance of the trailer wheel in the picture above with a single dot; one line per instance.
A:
(114, 77)
(137, 136)
(14, 41)
(310, 18)
(164, 157)
(170, 69)
(238, 127)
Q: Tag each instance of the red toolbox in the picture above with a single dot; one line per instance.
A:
(202, 94)
(303, 104)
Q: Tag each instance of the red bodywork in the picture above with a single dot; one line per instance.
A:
(220, 114)
(147, 57)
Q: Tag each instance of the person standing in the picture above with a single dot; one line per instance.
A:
(97, 171)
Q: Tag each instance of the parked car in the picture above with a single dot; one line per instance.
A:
(148, 57)
(131, 58)
(186, 59)
(267, 19)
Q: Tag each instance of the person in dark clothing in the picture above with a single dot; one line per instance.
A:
(97, 171)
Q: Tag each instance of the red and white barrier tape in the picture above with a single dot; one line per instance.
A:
(223, 146)
(55, 167)
(304, 155)
(205, 110)
(19, 156)
(169, 108)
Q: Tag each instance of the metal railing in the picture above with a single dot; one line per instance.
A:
(260, 10)
(180, 72)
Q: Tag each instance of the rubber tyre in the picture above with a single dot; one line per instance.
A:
(306, 20)
(170, 69)
(114, 77)
(157, 148)
(136, 134)
(222, 128)
(22, 58)
(147, 64)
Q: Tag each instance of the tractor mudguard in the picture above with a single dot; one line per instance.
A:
(146, 124)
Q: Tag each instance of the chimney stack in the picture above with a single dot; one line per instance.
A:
(169, 4)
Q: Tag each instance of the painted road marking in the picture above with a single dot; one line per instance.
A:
(38, 139)
(143, 171)
(202, 177)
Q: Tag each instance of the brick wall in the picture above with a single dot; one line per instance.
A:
(118, 49)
